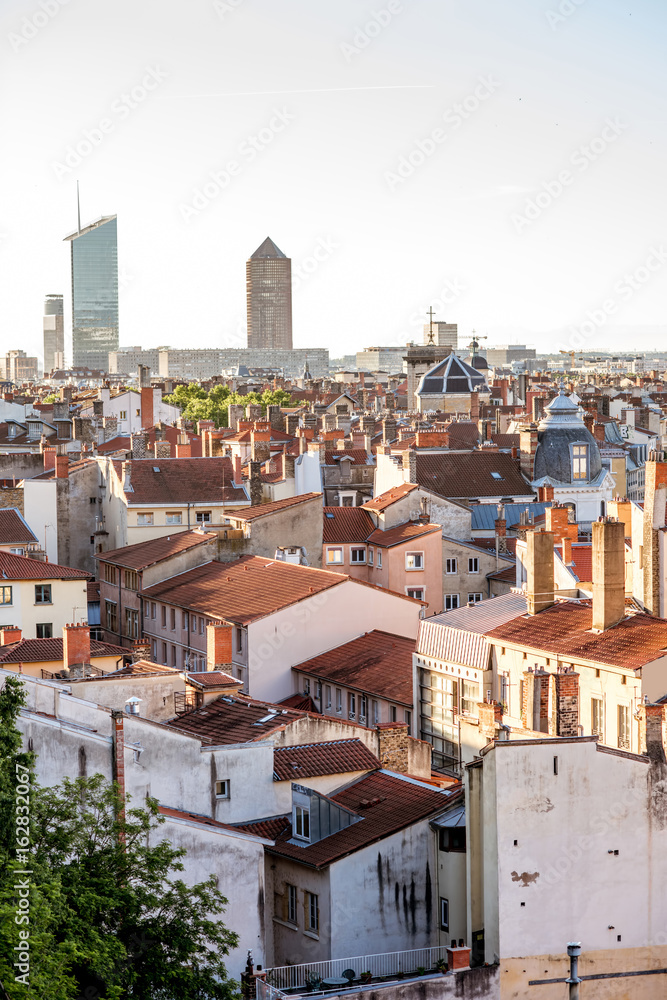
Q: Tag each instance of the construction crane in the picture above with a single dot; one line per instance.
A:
(572, 356)
(474, 343)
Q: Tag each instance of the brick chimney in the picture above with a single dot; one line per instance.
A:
(567, 704)
(489, 714)
(655, 495)
(410, 465)
(76, 645)
(557, 519)
(183, 446)
(260, 446)
(393, 746)
(147, 420)
(219, 646)
(567, 551)
(528, 446)
(608, 573)
(62, 466)
(49, 455)
(9, 633)
(540, 570)
(256, 486)
(652, 735)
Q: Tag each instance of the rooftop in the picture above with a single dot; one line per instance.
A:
(346, 524)
(182, 481)
(43, 650)
(385, 500)
(471, 474)
(235, 719)
(13, 528)
(22, 568)
(402, 533)
(293, 763)
(145, 554)
(263, 509)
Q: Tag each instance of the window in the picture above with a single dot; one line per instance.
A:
(222, 789)
(327, 696)
(379, 558)
(473, 564)
(122, 415)
(306, 685)
(623, 727)
(334, 556)
(173, 656)
(153, 609)
(414, 560)
(358, 555)
(450, 567)
(43, 593)
(444, 914)
(451, 601)
(137, 413)
(363, 709)
(131, 623)
(131, 582)
(469, 695)
(202, 626)
(375, 708)
(496, 476)
(301, 823)
(111, 616)
(109, 573)
(173, 619)
(21, 552)
(312, 912)
(416, 592)
(164, 653)
(173, 517)
(203, 517)
(144, 519)
(370, 557)
(164, 616)
(291, 904)
(184, 619)
(580, 461)
(452, 839)
(194, 623)
(505, 691)
(5, 595)
(407, 717)
(339, 700)
(392, 714)
(474, 598)
(239, 640)
(44, 630)
(351, 705)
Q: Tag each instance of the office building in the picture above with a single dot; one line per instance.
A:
(508, 354)
(380, 359)
(94, 293)
(444, 334)
(54, 333)
(269, 295)
(16, 366)
(126, 360)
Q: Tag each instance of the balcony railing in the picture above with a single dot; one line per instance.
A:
(385, 965)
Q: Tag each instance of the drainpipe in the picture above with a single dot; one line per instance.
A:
(574, 951)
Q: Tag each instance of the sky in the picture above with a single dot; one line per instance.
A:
(504, 163)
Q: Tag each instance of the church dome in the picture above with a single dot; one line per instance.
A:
(451, 376)
(477, 361)
(566, 451)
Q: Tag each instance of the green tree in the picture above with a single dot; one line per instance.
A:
(197, 404)
(109, 919)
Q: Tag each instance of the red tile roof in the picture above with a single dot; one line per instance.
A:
(402, 533)
(391, 496)
(268, 829)
(245, 590)
(378, 664)
(23, 568)
(565, 630)
(149, 553)
(457, 474)
(358, 456)
(34, 650)
(386, 802)
(211, 679)
(335, 757)
(118, 443)
(346, 524)
(235, 719)
(462, 433)
(582, 558)
(302, 703)
(182, 480)
(263, 509)
(140, 668)
(13, 529)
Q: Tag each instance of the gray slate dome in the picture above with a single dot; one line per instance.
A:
(451, 376)
(477, 361)
(562, 427)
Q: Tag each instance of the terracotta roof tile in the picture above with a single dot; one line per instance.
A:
(13, 529)
(261, 510)
(140, 668)
(402, 533)
(149, 553)
(23, 568)
(456, 474)
(34, 650)
(182, 480)
(211, 679)
(582, 558)
(565, 630)
(346, 524)
(378, 664)
(391, 496)
(235, 719)
(245, 590)
(358, 456)
(386, 803)
(269, 829)
(293, 763)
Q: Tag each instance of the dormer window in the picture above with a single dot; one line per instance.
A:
(301, 822)
(11, 430)
(579, 461)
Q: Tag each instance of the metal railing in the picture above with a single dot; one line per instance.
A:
(386, 964)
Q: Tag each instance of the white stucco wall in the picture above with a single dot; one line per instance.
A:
(40, 511)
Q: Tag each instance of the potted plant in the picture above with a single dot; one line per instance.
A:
(421, 971)
(366, 976)
(441, 965)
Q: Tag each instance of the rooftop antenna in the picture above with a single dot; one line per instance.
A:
(78, 208)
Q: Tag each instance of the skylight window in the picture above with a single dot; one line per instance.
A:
(156, 468)
(329, 515)
(496, 475)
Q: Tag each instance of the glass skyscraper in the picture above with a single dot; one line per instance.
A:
(94, 293)
(269, 297)
(54, 333)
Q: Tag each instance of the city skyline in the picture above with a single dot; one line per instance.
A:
(501, 187)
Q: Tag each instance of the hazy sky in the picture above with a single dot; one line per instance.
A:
(504, 162)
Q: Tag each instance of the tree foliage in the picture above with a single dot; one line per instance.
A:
(198, 404)
(109, 917)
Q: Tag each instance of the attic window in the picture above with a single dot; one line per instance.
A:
(496, 475)
(329, 515)
(156, 468)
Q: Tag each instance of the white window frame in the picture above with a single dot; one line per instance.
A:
(579, 457)
(335, 550)
(145, 519)
(203, 517)
(379, 564)
(327, 692)
(313, 912)
(370, 557)
(222, 788)
(415, 557)
(453, 601)
(301, 823)
(473, 564)
(173, 517)
(416, 592)
(475, 598)
(451, 566)
(357, 550)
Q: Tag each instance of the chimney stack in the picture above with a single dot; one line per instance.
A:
(219, 646)
(540, 570)
(9, 633)
(608, 573)
(76, 645)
